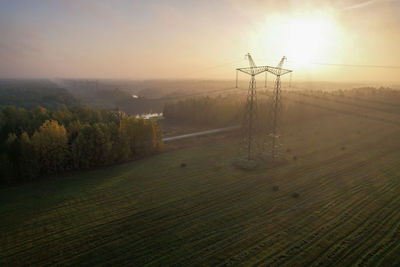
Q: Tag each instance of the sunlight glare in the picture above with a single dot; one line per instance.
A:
(302, 38)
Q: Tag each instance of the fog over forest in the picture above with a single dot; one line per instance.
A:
(200, 133)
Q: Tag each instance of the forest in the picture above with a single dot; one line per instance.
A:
(229, 110)
(32, 93)
(45, 143)
(217, 111)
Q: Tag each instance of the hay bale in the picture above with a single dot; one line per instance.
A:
(295, 195)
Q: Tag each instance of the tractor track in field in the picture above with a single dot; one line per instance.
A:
(334, 161)
(378, 244)
(355, 207)
(343, 243)
(219, 246)
(326, 229)
(346, 211)
(370, 251)
(260, 244)
(110, 199)
(394, 245)
(89, 225)
(123, 212)
(100, 225)
(300, 224)
(106, 200)
(207, 205)
(283, 255)
(393, 201)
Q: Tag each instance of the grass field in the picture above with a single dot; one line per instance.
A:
(153, 212)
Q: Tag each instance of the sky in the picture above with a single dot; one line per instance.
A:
(204, 39)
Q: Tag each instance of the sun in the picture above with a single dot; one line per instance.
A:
(309, 39)
(303, 38)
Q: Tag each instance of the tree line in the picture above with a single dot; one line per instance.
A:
(205, 111)
(40, 142)
(230, 109)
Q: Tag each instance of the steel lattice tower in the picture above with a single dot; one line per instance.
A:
(249, 126)
(250, 117)
(277, 108)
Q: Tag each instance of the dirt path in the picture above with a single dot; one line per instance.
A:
(172, 138)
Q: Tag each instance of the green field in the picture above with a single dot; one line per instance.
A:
(153, 212)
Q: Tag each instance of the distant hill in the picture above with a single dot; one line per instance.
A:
(136, 97)
(32, 93)
(52, 94)
(104, 95)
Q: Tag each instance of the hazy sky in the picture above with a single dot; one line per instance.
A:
(198, 39)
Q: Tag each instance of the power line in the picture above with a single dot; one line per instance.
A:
(201, 93)
(353, 65)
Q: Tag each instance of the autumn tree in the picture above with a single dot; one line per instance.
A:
(50, 145)
(28, 163)
(41, 142)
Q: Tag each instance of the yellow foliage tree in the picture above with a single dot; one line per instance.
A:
(50, 143)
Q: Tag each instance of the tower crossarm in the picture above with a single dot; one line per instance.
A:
(280, 64)
(251, 61)
(261, 69)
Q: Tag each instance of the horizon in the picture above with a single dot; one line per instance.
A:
(242, 80)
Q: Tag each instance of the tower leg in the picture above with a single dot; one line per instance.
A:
(265, 83)
(237, 72)
(249, 122)
(276, 109)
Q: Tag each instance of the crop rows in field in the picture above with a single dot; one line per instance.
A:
(155, 212)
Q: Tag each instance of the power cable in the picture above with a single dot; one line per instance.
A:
(351, 65)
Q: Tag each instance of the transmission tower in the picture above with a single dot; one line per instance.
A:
(250, 116)
(277, 107)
